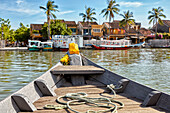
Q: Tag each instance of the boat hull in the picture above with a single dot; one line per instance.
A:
(33, 49)
(110, 48)
(47, 49)
(33, 93)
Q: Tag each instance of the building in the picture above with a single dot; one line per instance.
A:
(163, 28)
(73, 26)
(115, 31)
(85, 28)
(97, 31)
(147, 33)
(35, 31)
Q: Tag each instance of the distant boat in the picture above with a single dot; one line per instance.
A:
(61, 42)
(34, 45)
(113, 45)
(47, 46)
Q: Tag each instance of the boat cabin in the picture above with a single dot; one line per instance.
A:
(34, 45)
(115, 43)
(47, 46)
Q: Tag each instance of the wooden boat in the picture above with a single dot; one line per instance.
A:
(116, 45)
(34, 45)
(89, 78)
(113, 45)
(47, 46)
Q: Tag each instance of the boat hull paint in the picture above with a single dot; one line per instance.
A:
(47, 49)
(133, 88)
(110, 48)
(33, 49)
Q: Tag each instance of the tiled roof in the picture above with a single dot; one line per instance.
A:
(145, 32)
(85, 24)
(70, 23)
(115, 25)
(167, 22)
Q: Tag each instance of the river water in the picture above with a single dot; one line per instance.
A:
(150, 67)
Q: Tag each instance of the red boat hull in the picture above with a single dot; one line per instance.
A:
(110, 48)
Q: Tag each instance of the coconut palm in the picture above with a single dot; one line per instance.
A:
(127, 20)
(155, 16)
(110, 10)
(88, 15)
(48, 10)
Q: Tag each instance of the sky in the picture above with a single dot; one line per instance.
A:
(28, 11)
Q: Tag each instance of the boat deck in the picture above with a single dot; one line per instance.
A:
(131, 105)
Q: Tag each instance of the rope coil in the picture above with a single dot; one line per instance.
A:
(81, 98)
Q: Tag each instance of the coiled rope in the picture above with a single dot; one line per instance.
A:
(81, 98)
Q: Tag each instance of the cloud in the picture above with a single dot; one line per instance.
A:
(65, 12)
(131, 4)
(19, 9)
(19, 2)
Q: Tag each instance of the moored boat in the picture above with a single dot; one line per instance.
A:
(113, 45)
(34, 45)
(61, 42)
(47, 46)
(88, 78)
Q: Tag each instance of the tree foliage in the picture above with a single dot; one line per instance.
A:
(127, 19)
(56, 28)
(50, 7)
(22, 33)
(88, 16)
(6, 33)
(110, 10)
(155, 17)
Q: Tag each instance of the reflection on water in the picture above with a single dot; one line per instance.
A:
(150, 67)
(19, 68)
(147, 66)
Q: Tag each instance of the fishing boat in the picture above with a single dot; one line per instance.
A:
(113, 45)
(87, 87)
(47, 46)
(34, 45)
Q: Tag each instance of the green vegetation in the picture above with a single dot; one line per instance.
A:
(110, 10)
(56, 28)
(155, 16)
(88, 15)
(22, 33)
(6, 33)
(48, 10)
(127, 21)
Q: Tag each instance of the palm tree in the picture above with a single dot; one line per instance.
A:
(88, 15)
(110, 10)
(155, 16)
(126, 21)
(48, 10)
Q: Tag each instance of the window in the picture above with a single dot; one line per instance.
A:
(96, 30)
(73, 30)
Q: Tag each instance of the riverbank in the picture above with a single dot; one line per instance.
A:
(14, 49)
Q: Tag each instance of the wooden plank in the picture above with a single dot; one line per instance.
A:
(132, 105)
(80, 70)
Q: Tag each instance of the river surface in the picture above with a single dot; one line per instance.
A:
(150, 67)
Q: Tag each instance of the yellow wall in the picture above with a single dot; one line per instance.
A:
(76, 30)
(97, 33)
